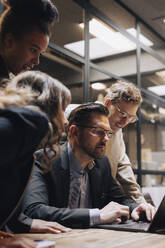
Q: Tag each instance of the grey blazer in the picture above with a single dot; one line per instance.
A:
(47, 194)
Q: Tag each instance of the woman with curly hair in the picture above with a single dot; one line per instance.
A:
(32, 108)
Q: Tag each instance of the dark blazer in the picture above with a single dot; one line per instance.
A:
(3, 69)
(47, 194)
(21, 131)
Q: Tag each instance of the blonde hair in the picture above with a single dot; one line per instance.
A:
(124, 91)
(13, 96)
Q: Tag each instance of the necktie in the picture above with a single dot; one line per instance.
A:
(74, 194)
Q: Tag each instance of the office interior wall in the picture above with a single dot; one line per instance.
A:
(70, 70)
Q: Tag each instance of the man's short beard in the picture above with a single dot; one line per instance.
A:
(93, 155)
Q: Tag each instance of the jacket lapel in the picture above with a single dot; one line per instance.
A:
(61, 177)
(65, 173)
(95, 184)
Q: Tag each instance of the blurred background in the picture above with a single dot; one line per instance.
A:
(94, 44)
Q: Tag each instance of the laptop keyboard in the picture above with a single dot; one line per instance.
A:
(129, 225)
(140, 225)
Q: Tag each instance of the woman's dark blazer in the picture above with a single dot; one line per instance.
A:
(3, 69)
(21, 131)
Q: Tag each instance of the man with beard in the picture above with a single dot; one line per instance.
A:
(80, 191)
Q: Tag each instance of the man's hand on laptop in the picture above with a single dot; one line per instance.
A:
(113, 212)
(43, 226)
(143, 208)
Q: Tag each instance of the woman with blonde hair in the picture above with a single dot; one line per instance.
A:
(31, 112)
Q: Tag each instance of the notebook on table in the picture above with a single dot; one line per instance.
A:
(157, 225)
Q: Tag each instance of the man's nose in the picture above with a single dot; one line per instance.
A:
(36, 60)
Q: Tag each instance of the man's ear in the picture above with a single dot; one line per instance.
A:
(73, 129)
(107, 102)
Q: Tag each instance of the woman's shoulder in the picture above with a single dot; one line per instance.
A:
(23, 120)
(21, 131)
(23, 113)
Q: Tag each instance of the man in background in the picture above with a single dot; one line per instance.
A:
(123, 100)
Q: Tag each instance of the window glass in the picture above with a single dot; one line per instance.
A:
(67, 31)
(111, 50)
(150, 69)
(130, 139)
(153, 68)
(114, 11)
(99, 85)
(156, 43)
(153, 141)
(65, 70)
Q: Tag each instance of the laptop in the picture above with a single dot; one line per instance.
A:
(157, 225)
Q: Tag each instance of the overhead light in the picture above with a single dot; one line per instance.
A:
(153, 121)
(154, 105)
(160, 73)
(158, 90)
(106, 42)
(109, 36)
(97, 48)
(164, 20)
(98, 86)
(142, 38)
(113, 38)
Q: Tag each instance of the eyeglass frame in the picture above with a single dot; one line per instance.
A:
(126, 115)
(103, 129)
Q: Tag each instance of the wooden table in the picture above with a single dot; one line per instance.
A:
(100, 238)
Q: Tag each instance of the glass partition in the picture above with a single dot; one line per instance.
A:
(66, 32)
(111, 50)
(153, 141)
(65, 70)
(115, 12)
(156, 43)
(99, 84)
(130, 139)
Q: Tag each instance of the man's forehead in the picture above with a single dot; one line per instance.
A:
(125, 103)
(128, 106)
(99, 120)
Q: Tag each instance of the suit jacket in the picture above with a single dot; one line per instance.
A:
(3, 69)
(21, 131)
(47, 194)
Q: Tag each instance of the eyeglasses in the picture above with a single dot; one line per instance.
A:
(130, 118)
(99, 131)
